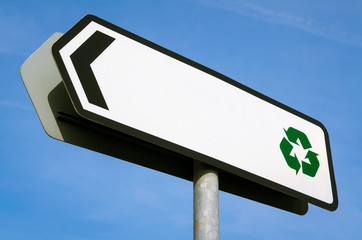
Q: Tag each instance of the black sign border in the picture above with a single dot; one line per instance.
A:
(70, 34)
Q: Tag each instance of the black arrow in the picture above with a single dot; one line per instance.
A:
(82, 59)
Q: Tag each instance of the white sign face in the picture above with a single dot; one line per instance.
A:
(127, 83)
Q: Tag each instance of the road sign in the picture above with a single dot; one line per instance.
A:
(125, 82)
(60, 121)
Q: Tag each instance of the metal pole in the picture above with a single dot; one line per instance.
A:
(206, 202)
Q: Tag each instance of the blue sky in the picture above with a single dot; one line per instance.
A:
(305, 54)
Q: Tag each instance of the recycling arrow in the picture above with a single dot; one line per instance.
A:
(293, 162)
(294, 134)
(311, 168)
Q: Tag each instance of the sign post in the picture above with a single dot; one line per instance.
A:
(60, 121)
(101, 87)
(122, 81)
(206, 202)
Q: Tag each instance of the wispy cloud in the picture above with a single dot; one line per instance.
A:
(14, 29)
(10, 104)
(327, 25)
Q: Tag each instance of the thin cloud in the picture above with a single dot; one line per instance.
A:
(10, 104)
(311, 24)
(14, 29)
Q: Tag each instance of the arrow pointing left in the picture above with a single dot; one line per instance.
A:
(82, 59)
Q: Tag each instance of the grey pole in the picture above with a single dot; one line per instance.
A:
(206, 202)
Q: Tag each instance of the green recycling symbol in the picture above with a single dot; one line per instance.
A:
(309, 168)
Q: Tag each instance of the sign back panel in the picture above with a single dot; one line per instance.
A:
(122, 81)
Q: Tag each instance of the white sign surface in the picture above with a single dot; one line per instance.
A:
(146, 91)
